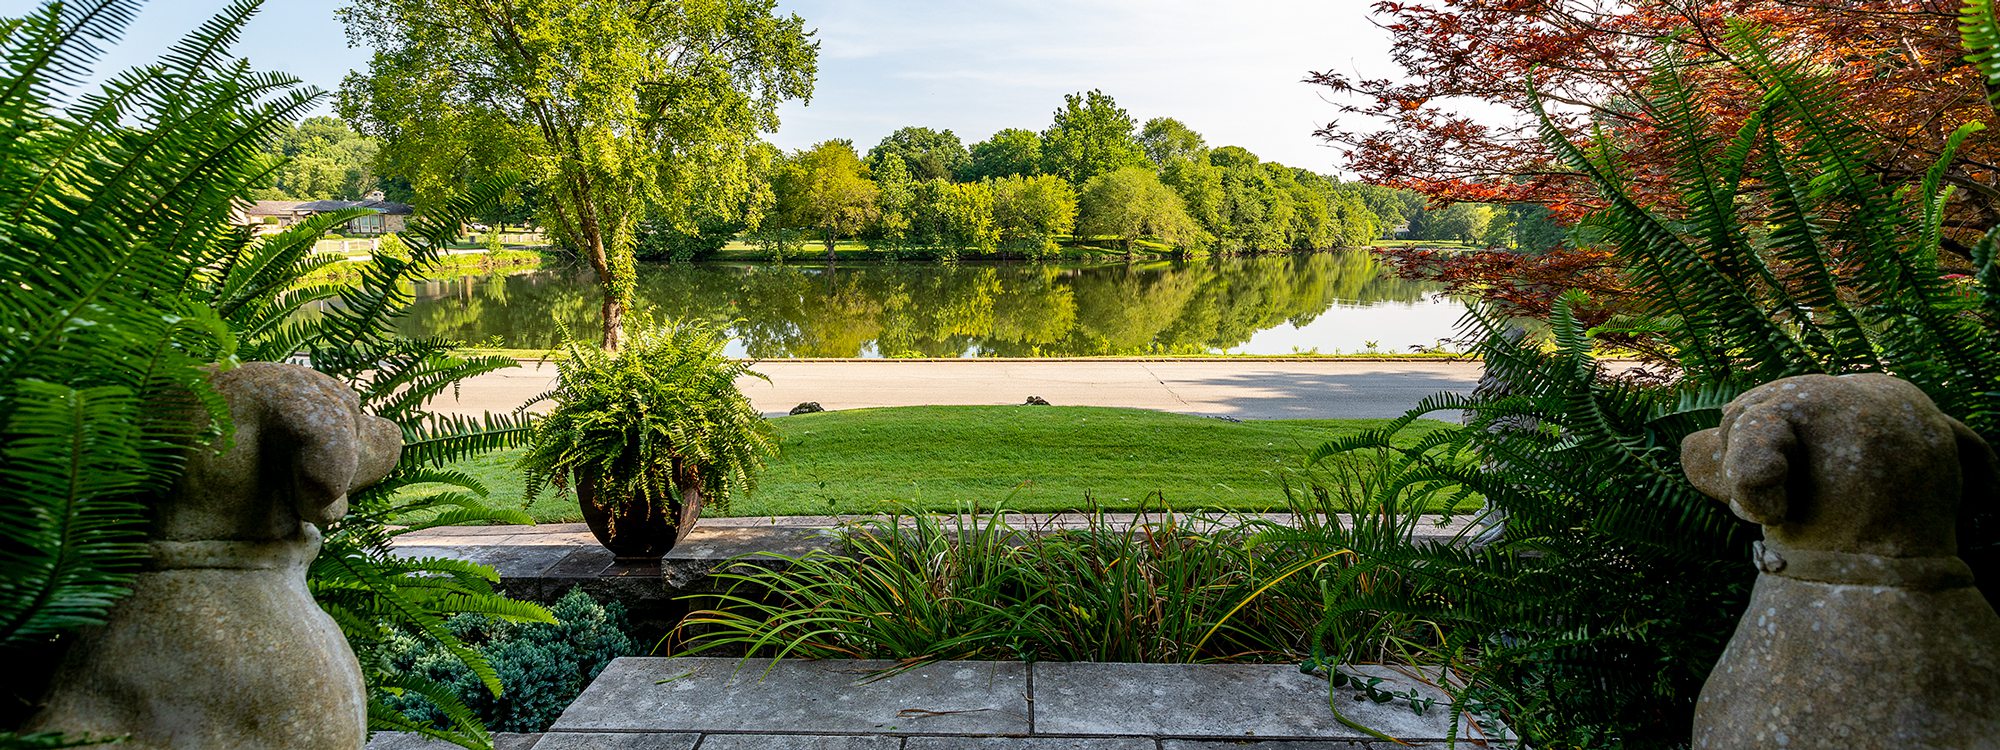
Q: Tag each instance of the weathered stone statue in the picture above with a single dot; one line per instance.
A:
(1864, 629)
(219, 645)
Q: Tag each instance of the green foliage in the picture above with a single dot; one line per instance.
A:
(372, 593)
(1031, 212)
(110, 238)
(657, 239)
(823, 189)
(951, 218)
(926, 154)
(1131, 203)
(1008, 153)
(1979, 28)
(646, 422)
(125, 284)
(1611, 565)
(917, 589)
(1167, 140)
(322, 159)
(895, 208)
(613, 109)
(1522, 226)
(1549, 623)
(1458, 222)
(542, 666)
(1091, 136)
(888, 309)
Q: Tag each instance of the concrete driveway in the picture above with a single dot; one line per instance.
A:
(1243, 389)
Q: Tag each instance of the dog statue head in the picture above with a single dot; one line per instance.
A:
(1859, 464)
(301, 444)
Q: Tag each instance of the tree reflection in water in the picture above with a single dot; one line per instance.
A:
(1008, 310)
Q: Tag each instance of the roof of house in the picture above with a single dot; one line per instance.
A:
(270, 208)
(386, 207)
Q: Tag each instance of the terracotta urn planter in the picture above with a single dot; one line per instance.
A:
(637, 531)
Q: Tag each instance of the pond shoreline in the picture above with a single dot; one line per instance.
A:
(538, 357)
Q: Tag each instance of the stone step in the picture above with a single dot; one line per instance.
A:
(951, 705)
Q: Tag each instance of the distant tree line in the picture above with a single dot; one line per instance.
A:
(1094, 175)
(321, 158)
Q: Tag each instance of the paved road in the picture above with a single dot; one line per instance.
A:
(1232, 388)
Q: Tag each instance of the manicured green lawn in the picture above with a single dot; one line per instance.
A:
(1028, 458)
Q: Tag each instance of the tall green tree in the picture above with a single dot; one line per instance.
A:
(1132, 203)
(927, 154)
(1010, 152)
(1091, 136)
(1459, 222)
(1031, 212)
(1167, 140)
(606, 105)
(895, 207)
(954, 217)
(323, 159)
(823, 189)
(1199, 184)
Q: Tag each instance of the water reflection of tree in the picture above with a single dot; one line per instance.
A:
(948, 311)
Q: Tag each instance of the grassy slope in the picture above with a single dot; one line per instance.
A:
(1030, 458)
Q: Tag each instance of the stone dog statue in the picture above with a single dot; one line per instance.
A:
(1864, 630)
(219, 645)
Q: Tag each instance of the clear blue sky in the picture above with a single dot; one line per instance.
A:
(1228, 68)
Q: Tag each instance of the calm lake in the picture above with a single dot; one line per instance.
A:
(1336, 302)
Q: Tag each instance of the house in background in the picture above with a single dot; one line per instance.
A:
(267, 217)
(271, 217)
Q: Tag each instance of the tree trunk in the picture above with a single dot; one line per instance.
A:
(614, 321)
(592, 235)
(827, 237)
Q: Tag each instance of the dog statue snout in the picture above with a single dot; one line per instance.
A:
(233, 539)
(1863, 629)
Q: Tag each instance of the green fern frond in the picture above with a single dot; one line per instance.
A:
(1979, 28)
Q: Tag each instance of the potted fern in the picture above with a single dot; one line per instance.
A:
(648, 434)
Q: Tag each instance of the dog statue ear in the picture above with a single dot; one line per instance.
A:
(1745, 463)
(1980, 469)
(317, 421)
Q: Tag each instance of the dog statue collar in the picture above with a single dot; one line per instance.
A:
(1848, 568)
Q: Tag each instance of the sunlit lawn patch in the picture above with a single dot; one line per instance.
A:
(1029, 458)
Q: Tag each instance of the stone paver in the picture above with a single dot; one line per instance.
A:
(1277, 745)
(700, 694)
(1243, 389)
(410, 741)
(1029, 743)
(648, 741)
(797, 742)
(1217, 701)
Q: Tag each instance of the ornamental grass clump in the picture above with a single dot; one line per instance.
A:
(657, 424)
(920, 588)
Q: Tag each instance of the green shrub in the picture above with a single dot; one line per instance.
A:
(1594, 619)
(543, 667)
